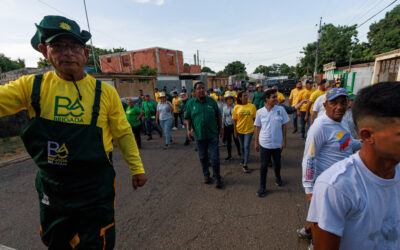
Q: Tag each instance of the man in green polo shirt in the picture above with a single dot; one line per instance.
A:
(150, 108)
(203, 115)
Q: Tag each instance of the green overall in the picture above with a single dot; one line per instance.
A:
(75, 179)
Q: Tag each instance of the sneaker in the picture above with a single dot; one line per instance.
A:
(246, 170)
(242, 163)
(303, 137)
(208, 180)
(294, 131)
(261, 192)
(278, 183)
(303, 234)
(219, 184)
(228, 158)
(166, 147)
(183, 126)
(174, 128)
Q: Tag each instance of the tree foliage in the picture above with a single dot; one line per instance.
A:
(207, 70)
(384, 36)
(7, 64)
(42, 63)
(235, 68)
(276, 70)
(145, 70)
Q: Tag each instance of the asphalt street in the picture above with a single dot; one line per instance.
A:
(175, 210)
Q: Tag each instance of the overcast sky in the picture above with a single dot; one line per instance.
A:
(252, 31)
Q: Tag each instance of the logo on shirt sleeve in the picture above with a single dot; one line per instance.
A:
(344, 139)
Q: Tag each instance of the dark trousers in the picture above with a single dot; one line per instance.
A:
(136, 132)
(176, 115)
(208, 150)
(151, 125)
(303, 123)
(228, 134)
(295, 120)
(265, 155)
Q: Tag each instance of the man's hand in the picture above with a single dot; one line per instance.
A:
(257, 147)
(189, 135)
(306, 118)
(235, 135)
(221, 132)
(309, 197)
(138, 180)
(283, 145)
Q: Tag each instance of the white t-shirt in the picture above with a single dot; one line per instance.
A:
(319, 105)
(271, 126)
(363, 209)
(327, 142)
(164, 111)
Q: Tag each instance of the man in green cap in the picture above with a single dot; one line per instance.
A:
(74, 119)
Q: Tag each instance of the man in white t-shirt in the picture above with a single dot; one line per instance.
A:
(356, 202)
(328, 141)
(318, 108)
(270, 137)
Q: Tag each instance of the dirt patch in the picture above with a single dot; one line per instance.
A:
(11, 147)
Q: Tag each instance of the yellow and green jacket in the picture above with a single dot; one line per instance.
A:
(59, 101)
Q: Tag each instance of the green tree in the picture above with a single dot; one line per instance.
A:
(276, 70)
(99, 52)
(145, 70)
(384, 36)
(222, 73)
(6, 64)
(261, 69)
(43, 63)
(207, 70)
(234, 68)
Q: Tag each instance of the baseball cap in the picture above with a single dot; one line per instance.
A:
(335, 93)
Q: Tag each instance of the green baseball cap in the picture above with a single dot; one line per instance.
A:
(52, 27)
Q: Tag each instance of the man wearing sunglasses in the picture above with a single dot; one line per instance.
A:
(74, 119)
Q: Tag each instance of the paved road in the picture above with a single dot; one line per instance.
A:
(175, 210)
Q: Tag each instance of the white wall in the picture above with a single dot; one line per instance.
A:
(363, 77)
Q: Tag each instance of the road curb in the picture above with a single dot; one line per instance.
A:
(14, 161)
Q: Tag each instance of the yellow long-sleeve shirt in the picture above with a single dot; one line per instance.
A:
(59, 102)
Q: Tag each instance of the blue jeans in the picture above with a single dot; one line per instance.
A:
(295, 121)
(245, 141)
(166, 126)
(208, 150)
(303, 123)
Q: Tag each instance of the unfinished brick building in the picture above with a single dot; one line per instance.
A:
(166, 61)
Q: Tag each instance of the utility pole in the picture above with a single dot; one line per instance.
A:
(198, 58)
(91, 42)
(317, 51)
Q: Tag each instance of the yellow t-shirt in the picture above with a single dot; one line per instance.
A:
(281, 97)
(214, 96)
(244, 116)
(305, 95)
(294, 96)
(314, 97)
(59, 102)
(175, 103)
(157, 96)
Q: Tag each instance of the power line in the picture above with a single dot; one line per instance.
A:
(358, 26)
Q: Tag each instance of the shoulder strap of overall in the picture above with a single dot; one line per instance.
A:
(35, 95)
(96, 104)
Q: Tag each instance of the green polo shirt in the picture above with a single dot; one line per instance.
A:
(132, 114)
(258, 98)
(204, 117)
(150, 109)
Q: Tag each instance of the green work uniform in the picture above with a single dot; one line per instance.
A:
(258, 98)
(149, 108)
(132, 115)
(204, 117)
(75, 179)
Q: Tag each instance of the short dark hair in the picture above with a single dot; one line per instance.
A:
(268, 93)
(323, 81)
(239, 97)
(197, 83)
(309, 82)
(380, 100)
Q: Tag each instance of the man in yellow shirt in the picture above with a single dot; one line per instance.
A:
(74, 120)
(230, 90)
(157, 95)
(293, 100)
(212, 94)
(281, 97)
(320, 91)
(176, 102)
(305, 96)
